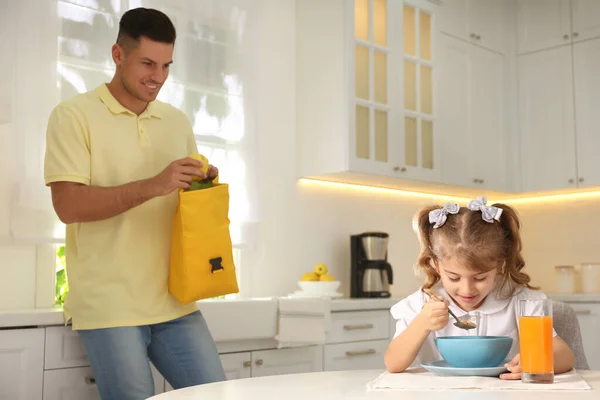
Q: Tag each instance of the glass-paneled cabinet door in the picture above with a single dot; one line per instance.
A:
(418, 144)
(372, 101)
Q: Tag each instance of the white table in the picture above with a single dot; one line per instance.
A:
(352, 385)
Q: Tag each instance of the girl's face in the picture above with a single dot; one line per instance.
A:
(467, 288)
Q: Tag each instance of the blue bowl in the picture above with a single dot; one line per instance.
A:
(474, 351)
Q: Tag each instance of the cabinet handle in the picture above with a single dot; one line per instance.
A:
(360, 352)
(90, 380)
(566, 37)
(473, 36)
(247, 364)
(588, 311)
(477, 180)
(575, 35)
(356, 327)
(571, 181)
(477, 37)
(403, 169)
(259, 362)
(580, 179)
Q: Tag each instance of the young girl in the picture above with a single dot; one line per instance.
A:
(472, 259)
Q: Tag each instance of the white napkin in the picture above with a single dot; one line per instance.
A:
(420, 378)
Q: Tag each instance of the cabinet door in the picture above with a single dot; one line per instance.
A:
(455, 111)
(546, 120)
(352, 356)
(586, 19)
(70, 384)
(587, 106)
(287, 361)
(21, 364)
(588, 315)
(488, 24)
(236, 366)
(542, 24)
(487, 124)
(482, 22)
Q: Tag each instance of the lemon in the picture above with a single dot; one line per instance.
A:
(320, 269)
(326, 278)
(310, 276)
(204, 162)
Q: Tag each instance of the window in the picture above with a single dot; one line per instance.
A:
(205, 82)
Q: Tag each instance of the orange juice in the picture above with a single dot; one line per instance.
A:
(535, 338)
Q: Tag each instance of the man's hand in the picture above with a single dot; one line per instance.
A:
(178, 175)
(514, 368)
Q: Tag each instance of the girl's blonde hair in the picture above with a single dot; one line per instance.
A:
(476, 244)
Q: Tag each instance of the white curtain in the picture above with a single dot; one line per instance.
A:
(63, 48)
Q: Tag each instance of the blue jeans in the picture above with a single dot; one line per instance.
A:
(182, 350)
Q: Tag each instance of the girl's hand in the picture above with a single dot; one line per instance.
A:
(514, 368)
(435, 314)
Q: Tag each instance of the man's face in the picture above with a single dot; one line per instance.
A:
(144, 68)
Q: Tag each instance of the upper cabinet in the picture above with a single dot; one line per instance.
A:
(472, 115)
(546, 120)
(542, 24)
(366, 77)
(481, 22)
(585, 16)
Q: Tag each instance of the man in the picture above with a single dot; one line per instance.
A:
(115, 159)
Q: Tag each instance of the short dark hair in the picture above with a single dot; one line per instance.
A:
(147, 22)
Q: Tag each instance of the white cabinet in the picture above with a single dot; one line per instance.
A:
(270, 362)
(546, 120)
(287, 361)
(542, 24)
(365, 82)
(481, 22)
(70, 384)
(21, 364)
(587, 105)
(355, 326)
(588, 315)
(585, 16)
(355, 355)
(472, 116)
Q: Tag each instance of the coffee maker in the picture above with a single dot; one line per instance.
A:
(371, 274)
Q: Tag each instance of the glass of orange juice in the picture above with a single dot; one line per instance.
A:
(535, 340)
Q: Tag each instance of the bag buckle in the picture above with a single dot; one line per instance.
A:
(216, 264)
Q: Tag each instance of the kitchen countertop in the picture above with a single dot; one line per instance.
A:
(575, 297)
(212, 309)
(352, 385)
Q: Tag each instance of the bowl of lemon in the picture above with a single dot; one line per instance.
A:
(319, 282)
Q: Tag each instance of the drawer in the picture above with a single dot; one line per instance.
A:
(64, 349)
(358, 325)
(70, 383)
(354, 356)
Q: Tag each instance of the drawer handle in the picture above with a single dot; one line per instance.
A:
(90, 380)
(247, 364)
(356, 327)
(259, 362)
(588, 311)
(361, 352)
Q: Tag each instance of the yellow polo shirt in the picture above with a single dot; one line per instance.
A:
(118, 268)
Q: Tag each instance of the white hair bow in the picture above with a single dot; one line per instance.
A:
(488, 213)
(439, 215)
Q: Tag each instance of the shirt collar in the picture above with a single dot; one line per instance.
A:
(152, 110)
(492, 303)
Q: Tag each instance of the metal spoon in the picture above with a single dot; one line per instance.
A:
(460, 323)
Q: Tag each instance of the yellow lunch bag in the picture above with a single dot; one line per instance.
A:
(201, 264)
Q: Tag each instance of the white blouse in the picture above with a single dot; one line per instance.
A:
(495, 317)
